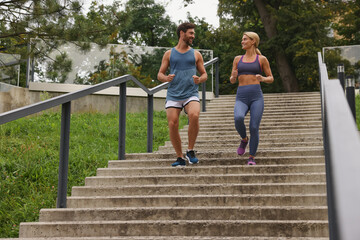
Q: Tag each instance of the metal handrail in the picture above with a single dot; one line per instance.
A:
(65, 101)
(341, 144)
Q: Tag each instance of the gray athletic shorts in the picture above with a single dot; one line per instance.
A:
(180, 104)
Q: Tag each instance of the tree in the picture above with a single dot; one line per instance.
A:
(24, 24)
(347, 23)
(292, 30)
(332, 59)
(49, 20)
(144, 23)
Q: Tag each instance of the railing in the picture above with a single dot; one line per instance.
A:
(65, 101)
(342, 157)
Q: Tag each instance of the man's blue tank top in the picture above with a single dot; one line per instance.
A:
(183, 65)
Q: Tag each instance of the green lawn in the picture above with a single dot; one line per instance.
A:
(29, 158)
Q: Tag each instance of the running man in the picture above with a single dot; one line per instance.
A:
(183, 90)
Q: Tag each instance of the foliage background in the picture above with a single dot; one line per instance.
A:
(301, 29)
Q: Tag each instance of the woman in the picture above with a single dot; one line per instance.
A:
(247, 70)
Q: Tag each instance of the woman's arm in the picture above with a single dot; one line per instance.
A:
(234, 71)
(266, 69)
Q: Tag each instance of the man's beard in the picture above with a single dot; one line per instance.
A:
(188, 41)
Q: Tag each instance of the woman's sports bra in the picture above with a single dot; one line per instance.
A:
(249, 68)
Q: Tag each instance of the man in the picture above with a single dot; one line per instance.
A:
(183, 90)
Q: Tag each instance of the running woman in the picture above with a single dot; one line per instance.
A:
(247, 70)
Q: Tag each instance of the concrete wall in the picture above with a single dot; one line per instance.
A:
(103, 101)
(4, 87)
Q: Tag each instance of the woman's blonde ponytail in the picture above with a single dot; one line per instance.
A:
(254, 36)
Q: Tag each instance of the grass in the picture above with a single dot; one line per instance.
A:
(29, 158)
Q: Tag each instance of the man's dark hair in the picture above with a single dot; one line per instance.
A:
(184, 27)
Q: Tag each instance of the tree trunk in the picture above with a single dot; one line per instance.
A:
(287, 75)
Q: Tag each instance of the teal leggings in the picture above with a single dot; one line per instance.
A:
(249, 98)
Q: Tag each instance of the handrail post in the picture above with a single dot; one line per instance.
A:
(122, 120)
(341, 74)
(203, 91)
(150, 120)
(64, 155)
(28, 65)
(350, 94)
(217, 79)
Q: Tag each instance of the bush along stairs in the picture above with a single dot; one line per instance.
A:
(143, 197)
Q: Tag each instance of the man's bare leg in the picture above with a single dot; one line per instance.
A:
(173, 122)
(193, 112)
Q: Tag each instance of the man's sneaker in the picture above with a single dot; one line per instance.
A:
(179, 162)
(190, 156)
(251, 161)
(242, 147)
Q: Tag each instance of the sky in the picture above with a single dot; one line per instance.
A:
(201, 8)
(175, 9)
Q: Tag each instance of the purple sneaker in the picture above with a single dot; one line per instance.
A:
(241, 148)
(251, 161)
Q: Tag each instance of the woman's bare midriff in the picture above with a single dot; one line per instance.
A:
(247, 80)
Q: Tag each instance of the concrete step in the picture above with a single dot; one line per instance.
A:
(220, 161)
(263, 149)
(203, 179)
(230, 119)
(218, 117)
(269, 107)
(221, 228)
(240, 169)
(230, 125)
(168, 238)
(269, 98)
(263, 127)
(268, 104)
(267, 121)
(315, 151)
(186, 200)
(235, 136)
(270, 101)
(267, 110)
(201, 189)
(265, 140)
(276, 97)
(273, 114)
(213, 145)
(221, 126)
(263, 131)
(299, 96)
(266, 127)
(187, 212)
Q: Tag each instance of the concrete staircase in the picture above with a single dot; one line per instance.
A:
(143, 197)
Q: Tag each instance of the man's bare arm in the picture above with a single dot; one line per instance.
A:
(201, 69)
(162, 77)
